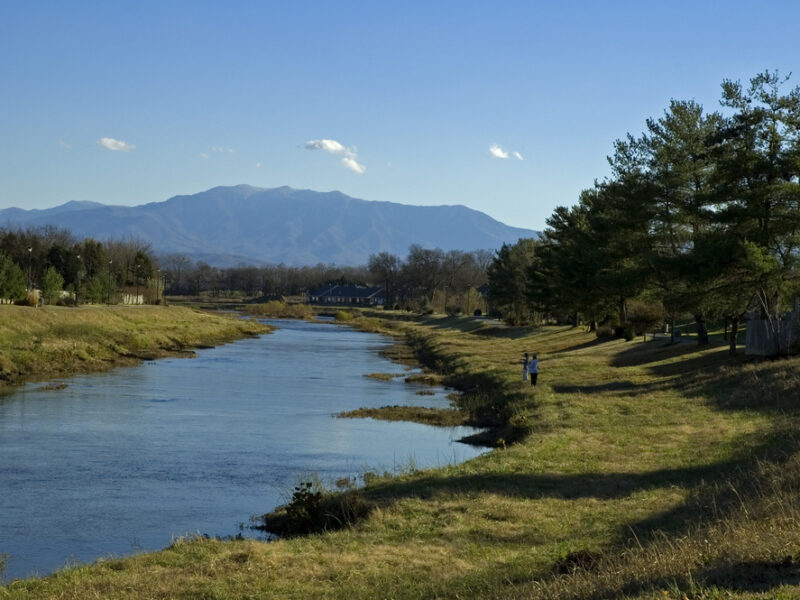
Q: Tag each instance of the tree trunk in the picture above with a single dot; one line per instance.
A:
(623, 311)
(672, 330)
(702, 331)
(592, 325)
(734, 335)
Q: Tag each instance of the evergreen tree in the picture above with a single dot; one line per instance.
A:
(52, 284)
(508, 280)
(12, 280)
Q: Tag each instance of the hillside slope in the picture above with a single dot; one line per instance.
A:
(228, 225)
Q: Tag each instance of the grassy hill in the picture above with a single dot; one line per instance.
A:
(634, 470)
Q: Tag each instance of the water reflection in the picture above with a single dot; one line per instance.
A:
(126, 460)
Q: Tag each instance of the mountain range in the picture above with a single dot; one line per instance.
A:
(231, 225)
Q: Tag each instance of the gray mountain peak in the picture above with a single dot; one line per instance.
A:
(228, 225)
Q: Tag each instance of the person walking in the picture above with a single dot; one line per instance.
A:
(533, 370)
(525, 367)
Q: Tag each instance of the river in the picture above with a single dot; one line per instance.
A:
(128, 460)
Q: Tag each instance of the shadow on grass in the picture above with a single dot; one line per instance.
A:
(654, 351)
(600, 388)
(463, 324)
(600, 486)
(590, 344)
(753, 576)
(736, 383)
(509, 333)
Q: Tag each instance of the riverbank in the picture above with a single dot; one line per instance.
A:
(38, 344)
(638, 470)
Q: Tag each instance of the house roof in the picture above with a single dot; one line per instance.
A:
(347, 291)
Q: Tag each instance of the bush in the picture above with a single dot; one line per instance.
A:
(453, 310)
(626, 330)
(604, 331)
(280, 310)
(344, 316)
(478, 312)
(644, 316)
(313, 509)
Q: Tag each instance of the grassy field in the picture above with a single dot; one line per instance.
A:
(42, 343)
(633, 470)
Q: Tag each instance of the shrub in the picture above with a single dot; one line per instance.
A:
(626, 330)
(344, 316)
(453, 310)
(280, 310)
(643, 316)
(604, 331)
(313, 509)
(478, 312)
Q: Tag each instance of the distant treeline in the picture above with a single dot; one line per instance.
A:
(52, 260)
(66, 270)
(426, 279)
(700, 217)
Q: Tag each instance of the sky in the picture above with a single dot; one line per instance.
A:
(509, 108)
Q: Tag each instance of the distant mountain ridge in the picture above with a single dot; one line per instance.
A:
(226, 226)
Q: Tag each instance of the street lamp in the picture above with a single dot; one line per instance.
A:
(136, 275)
(108, 291)
(30, 255)
(78, 281)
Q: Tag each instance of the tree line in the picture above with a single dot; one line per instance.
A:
(426, 279)
(699, 217)
(65, 269)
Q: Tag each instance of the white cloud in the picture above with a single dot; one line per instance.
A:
(65, 145)
(115, 145)
(353, 165)
(204, 155)
(349, 155)
(331, 146)
(223, 149)
(498, 152)
(258, 165)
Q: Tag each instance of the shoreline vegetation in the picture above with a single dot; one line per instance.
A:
(634, 470)
(40, 344)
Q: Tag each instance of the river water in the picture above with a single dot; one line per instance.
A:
(127, 461)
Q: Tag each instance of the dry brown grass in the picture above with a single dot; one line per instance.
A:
(440, 417)
(41, 343)
(640, 471)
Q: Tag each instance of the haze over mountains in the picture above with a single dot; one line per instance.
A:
(226, 226)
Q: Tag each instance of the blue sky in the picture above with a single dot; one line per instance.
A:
(413, 102)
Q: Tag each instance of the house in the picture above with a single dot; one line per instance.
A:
(340, 295)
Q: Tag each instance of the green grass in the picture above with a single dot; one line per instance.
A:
(634, 470)
(427, 416)
(384, 376)
(42, 343)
